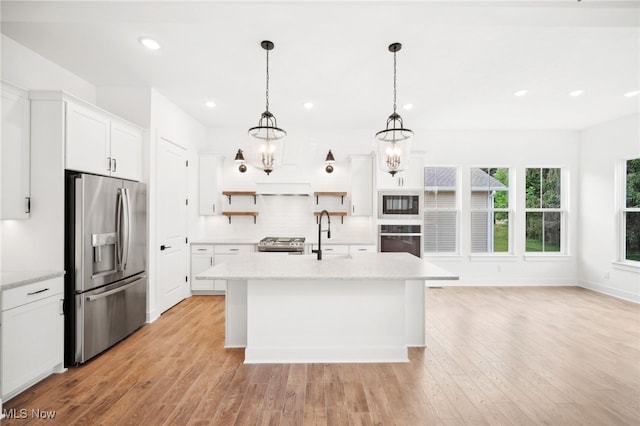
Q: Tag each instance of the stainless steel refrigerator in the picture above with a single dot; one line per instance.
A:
(105, 263)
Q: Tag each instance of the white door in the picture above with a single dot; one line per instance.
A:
(171, 213)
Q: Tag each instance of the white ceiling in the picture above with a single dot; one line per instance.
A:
(459, 66)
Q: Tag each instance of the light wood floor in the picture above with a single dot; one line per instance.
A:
(498, 356)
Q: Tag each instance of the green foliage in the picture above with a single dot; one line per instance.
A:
(501, 198)
(543, 188)
(633, 183)
(632, 219)
(501, 236)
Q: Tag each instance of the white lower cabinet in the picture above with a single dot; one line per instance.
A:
(32, 335)
(204, 257)
(222, 253)
(201, 260)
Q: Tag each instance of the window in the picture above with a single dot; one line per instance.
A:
(543, 210)
(490, 210)
(631, 211)
(440, 210)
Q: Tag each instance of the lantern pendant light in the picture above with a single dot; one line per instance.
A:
(267, 139)
(394, 142)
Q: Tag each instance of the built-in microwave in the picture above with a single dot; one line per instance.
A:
(400, 204)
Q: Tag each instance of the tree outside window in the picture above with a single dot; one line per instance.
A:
(543, 212)
(631, 211)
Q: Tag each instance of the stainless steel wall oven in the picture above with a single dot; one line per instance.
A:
(400, 238)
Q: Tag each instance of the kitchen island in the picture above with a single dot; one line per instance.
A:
(365, 307)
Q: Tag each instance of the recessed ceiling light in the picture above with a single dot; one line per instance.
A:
(210, 104)
(632, 93)
(407, 106)
(149, 43)
(576, 93)
(308, 105)
(521, 92)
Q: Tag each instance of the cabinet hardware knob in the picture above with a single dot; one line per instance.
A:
(36, 292)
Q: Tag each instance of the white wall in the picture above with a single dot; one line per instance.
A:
(169, 122)
(601, 149)
(25, 68)
(465, 149)
(516, 150)
(36, 243)
(305, 153)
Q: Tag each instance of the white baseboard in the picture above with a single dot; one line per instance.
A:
(610, 291)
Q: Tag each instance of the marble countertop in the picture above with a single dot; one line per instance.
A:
(266, 266)
(13, 279)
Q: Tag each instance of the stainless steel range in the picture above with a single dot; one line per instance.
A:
(282, 244)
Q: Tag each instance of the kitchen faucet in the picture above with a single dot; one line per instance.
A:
(319, 251)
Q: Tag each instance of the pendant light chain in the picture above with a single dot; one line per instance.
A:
(267, 107)
(394, 82)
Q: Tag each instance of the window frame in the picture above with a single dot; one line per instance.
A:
(563, 210)
(509, 210)
(621, 211)
(457, 209)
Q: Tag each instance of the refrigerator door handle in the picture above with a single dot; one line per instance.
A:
(119, 226)
(127, 227)
(114, 291)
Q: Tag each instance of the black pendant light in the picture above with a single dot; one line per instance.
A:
(394, 142)
(267, 139)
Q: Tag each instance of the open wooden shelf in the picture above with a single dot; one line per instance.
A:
(330, 194)
(229, 214)
(240, 193)
(341, 214)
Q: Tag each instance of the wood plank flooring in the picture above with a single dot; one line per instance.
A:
(494, 356)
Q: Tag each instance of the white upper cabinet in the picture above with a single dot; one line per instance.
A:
(97, 142)
(412, 178)
(88, 142)
(126, 151)
(208, 180)
(362, 185)
(15, 153)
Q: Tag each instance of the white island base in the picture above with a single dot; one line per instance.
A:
(367, 307)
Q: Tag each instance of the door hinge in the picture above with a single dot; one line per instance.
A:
(186, 279)
(186, 240)
(187, 163)
(186, 202)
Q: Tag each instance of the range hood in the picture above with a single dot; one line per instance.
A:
(283, 188)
